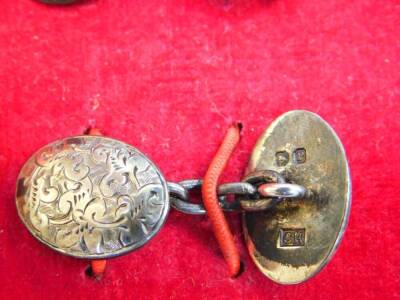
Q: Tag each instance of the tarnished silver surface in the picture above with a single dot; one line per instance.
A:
(91, 197)
(293, 239)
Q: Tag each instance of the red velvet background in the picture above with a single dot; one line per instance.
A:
(168, 77)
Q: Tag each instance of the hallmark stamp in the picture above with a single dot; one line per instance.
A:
(292, 237)
(300, 156)
(282, 158)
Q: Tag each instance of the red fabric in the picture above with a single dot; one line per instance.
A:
(169, 77)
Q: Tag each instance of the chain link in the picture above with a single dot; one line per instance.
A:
(260, 190)
(179, 193)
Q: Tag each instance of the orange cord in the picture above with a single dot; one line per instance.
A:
(98, 266)
(210, 198)
(94, 131)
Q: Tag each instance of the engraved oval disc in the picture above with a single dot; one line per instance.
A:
(293, 240)
(91, 197)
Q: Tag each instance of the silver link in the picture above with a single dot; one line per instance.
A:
(257, 178)
(282, 190)
(178, 191)
(191, 184)
(180, 196)
(237, 188)
(265, 196)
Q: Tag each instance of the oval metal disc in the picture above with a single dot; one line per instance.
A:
(292, 241)
(91, 197)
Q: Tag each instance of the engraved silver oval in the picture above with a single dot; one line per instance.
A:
(91, 197)
(294, 240)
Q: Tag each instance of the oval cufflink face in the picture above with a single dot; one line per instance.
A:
(293, 240)
(91, 197)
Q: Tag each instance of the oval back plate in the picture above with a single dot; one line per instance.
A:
(293, 240)
(91, 197)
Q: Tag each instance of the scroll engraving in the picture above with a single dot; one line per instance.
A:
(91, 196)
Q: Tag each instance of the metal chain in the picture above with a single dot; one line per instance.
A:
(179, 193)
(261, 191)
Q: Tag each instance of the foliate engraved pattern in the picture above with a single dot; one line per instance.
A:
(91, 197)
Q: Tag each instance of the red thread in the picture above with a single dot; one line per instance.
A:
(98, 267)
(94, 131)
(209, 192)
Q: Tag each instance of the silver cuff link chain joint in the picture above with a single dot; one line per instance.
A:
(94, 197)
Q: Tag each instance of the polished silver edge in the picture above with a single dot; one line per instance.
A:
(119, 252)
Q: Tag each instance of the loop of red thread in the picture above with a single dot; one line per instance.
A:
(98, 266)
(94, 131)
(210, 198)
